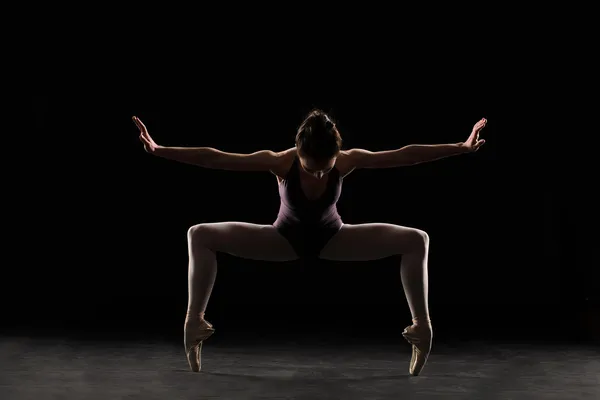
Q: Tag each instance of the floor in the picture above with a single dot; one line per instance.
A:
(72, 368)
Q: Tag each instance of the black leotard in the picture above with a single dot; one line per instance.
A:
(308, 224)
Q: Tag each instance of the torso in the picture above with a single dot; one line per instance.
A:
(308, 216)
(312, 187)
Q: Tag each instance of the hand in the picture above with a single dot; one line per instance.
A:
(149, 145)
(473, 143)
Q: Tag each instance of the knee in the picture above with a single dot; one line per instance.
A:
(198, 235)
(419, 240)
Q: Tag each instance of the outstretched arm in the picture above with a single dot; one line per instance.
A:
(208, 157)
(416, 153)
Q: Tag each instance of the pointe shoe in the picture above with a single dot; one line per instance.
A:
(196, 332)
(420, 337)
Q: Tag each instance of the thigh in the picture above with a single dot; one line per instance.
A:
(363, 242)
(242, 239)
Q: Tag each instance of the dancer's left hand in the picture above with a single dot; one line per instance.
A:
(473, 143)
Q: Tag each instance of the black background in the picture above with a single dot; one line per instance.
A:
(101, 243)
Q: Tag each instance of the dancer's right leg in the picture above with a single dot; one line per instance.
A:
(251, 241)
(245, 240)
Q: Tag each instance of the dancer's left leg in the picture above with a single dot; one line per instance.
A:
(364, 242)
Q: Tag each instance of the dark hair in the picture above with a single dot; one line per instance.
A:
(318, 137)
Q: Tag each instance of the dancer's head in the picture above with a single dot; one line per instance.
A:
(318, 142)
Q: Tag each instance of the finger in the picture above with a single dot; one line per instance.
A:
(137, 123)
(144, 131)
(140, 125)
(479, 143)
(144, 140)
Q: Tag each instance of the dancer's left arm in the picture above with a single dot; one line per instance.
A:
(416, 153)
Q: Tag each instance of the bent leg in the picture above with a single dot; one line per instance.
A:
(241, 239)
(257, 242)
(364, 242)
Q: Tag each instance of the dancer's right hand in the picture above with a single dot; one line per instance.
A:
(149, 145)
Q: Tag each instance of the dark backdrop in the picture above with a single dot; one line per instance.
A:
(102, 243)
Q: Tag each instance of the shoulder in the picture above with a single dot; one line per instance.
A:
(283, 162)
(349, 160)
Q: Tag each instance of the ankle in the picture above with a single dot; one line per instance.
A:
(422, 321)
(194, 316)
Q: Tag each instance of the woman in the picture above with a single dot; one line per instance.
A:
(310, 177)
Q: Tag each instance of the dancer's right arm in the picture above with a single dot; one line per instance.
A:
(207, 157)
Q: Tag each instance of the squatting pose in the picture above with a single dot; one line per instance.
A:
(310, 177)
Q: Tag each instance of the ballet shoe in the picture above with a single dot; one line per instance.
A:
(196, 331)
(420, 337)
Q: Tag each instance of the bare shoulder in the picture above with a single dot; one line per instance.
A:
(283, 163)
(349, 160)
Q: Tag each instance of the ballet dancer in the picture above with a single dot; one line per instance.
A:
(310, 177)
